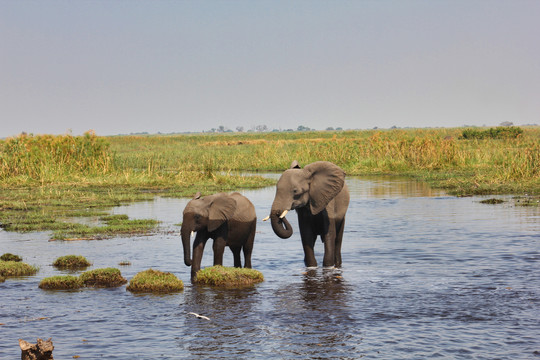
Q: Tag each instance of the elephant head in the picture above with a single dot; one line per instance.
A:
(314, 186)
(205, 215)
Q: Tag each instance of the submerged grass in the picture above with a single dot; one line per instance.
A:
(155, 281)
(222, 276)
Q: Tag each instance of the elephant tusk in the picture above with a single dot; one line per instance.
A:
(192, 233)
(266, 218)
(283, 214)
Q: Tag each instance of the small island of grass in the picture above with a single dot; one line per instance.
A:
(61, 282)
(108, 277)
(10, 257)
(222, 276)
(71, 262)
(155, 281)
(16, 268)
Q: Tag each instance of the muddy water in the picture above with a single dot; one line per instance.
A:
(424, 275)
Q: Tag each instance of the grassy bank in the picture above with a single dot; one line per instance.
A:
(449, 158)
(45, 180)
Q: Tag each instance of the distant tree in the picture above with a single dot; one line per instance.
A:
(507, 123)
(329, 128)
(339, 128)
(261, 128)
(240, 129)
(302, 128)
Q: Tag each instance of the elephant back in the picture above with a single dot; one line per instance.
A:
(245, 211)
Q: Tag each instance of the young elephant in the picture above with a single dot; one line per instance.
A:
(230, 220)
(320, 197)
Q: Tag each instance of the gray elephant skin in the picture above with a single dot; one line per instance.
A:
(320, 197)
(228, 219)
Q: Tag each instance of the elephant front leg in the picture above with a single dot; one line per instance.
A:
(329, 248)
(198, 249)
(219, 248)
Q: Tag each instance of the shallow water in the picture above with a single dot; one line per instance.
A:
(424, 275)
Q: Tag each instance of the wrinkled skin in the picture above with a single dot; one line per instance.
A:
(229, 220)
(320, 197)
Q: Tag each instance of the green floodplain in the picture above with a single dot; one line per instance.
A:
(45, 180)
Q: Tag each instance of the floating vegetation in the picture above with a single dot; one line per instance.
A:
(115, 225)
(16, 268)
(155, 281)
(492, 201)
(107, 277)
(10, 257)
(222, 276)
(61, 282)
(71, 262)
(527, 200)
(124, 263)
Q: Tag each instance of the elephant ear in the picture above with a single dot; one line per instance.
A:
(221, 209)
(295, 165)
(327, 180)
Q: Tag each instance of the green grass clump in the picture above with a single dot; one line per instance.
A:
(107, 277)
(501, 132)
(228, 276)
(10, 257)
(155, 281)
(16, 268)
(71, 262)
(62, 282)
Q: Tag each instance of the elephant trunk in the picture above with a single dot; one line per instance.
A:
(186, 242)
(280, 225)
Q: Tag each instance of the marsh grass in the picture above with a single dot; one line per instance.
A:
(45, 179)
(10, 257)
(155, 281)
(107, 277)
(71, 262)
(16, 268)
(228, 277)
(61, 282)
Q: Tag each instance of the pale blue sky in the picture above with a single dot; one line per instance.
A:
(174, 66)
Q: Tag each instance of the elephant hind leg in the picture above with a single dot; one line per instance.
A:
(236, 254)
(248, 247)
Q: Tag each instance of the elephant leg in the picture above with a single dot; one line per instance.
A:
(339, 238)
(236, 254)
(219, 248)
(329, 251)
(308, 238)
(308, 242)
(248, 247)
(198, 249)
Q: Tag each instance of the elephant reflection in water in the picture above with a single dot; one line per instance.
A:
(228, 219)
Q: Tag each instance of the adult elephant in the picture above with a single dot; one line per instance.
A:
(229, 219)
(320, 197)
